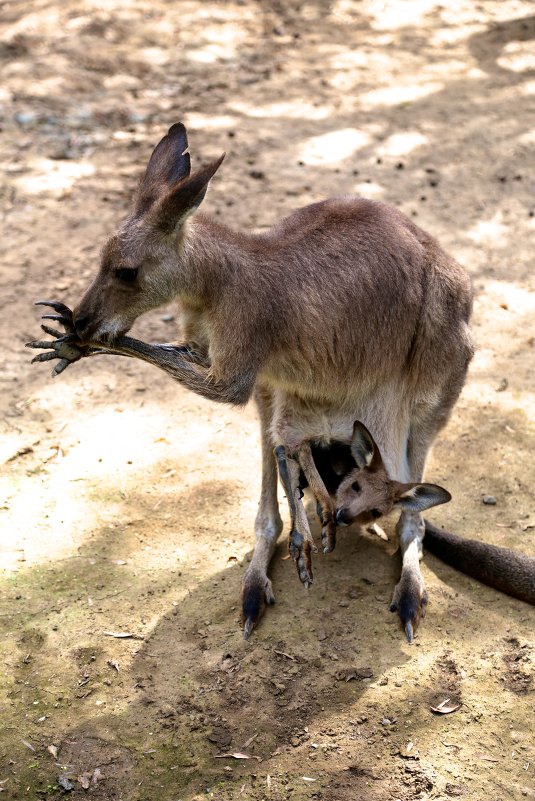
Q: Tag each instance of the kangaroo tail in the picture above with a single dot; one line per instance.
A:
(501, 568)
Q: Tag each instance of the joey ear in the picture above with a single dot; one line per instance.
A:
(362, 445)
(168, 164)
(418, 497)
(170, 211)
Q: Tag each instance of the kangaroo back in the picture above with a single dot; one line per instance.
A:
(501, 568)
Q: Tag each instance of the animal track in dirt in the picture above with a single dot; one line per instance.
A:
(446, 678)
(518, 676)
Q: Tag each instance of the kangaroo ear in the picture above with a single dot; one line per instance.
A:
(169, 163)
(417, 497)
(362, 445)
(170, 211)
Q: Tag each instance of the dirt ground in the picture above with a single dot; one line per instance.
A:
(127, 504)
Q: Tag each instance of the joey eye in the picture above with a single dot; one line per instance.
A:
(375, 513)
(355, 486)
(127, 274)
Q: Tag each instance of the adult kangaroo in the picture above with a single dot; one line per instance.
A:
(343, 311)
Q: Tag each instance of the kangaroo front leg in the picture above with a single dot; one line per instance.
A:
(325, 507)
(183, 364)
(410, 597)
(300, 542)
(257, 590)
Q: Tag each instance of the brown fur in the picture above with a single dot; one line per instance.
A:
(344, 310)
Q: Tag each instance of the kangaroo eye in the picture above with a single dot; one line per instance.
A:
(375, 513)
(127, 274)
(355, 486)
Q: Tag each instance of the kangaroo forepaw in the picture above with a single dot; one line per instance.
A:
(256, 594)
(301, 553)
(66, 346)
(410, 602)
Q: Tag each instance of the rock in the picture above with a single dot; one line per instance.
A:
(489, 500)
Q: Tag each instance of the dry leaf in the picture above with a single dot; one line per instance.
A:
(113, 664)
(84, 781)
(487, 758)
(123, 635)
(28, 745)
(52, 749)
(444, 709)
(236, 755)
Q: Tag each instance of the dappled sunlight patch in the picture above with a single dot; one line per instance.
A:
(453, 34)
(209, 122)
(48, 176)
(517, 298)
(399, 144)
(517, 56)
(155, 55)
(332, 147)
(294, 109)
(399, 94)
(392, 16)
(503, 402)
(357, 59)
(527, 88)
(369, 189)
(490, 232)
(219, 43)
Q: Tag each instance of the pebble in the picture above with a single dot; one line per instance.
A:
(489, 500)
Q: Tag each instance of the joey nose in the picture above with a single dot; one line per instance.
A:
(342, 517)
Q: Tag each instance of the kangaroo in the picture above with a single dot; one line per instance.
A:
(343, 311)
(356, 478)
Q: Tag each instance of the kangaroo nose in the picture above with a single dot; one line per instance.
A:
(80, 324)
(342, 517)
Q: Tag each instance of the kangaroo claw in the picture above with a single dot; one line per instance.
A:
(248, 628)
(58, 307)
(60, 318)
(300, 551)
(328, 536)
(410, 602)
(257, 593)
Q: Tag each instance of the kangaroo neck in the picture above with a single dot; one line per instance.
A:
(212, 258)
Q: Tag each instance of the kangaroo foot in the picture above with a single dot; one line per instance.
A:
(301, 553)
(257, 593)
(410, 601)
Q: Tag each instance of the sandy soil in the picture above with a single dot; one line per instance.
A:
(127, 504)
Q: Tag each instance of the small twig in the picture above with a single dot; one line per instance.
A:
(283, 653)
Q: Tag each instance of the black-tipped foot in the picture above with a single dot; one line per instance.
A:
(256, 595)
(410, 602)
